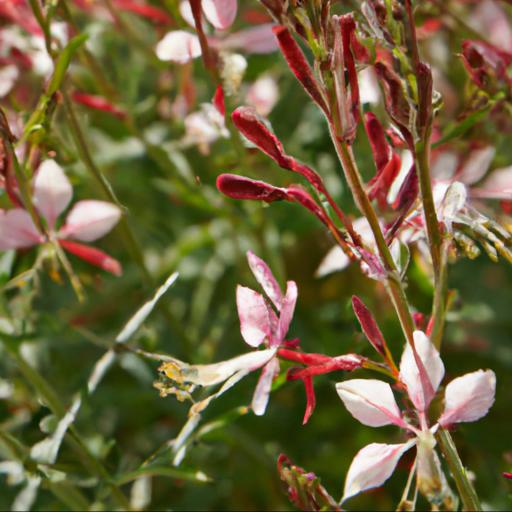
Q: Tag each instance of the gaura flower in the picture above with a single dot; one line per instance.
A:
(260, 325)
(467, 398)
(87, 221)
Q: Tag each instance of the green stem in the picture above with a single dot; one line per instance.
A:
(393, 280)
(464, 486)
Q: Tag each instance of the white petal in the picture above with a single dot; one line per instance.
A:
(263, 95)
(90, 220)
(211, 374)
(469, 398)
(178, 46)
(333, 261)
(478, 163)
(370, 401)
(186, 12)
(17, 230)
(254, 316)
(369, 90)
(8, 76)
(52, 191)
(421, 387)
(262, 391)
(265, 278)
(220, 13)
(497, 186)
(372, 466)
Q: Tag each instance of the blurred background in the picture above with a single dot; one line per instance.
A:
(163, 171)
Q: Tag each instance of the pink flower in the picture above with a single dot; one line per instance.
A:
(87, 221)
(261, 324)
(467, 398)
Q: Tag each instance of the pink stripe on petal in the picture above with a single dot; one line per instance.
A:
(52, 191)
(220, 13)
(265, 278)
(262, 391)
(372, 466)
(422, 383)
(254, 316)
(287, 310)
(90, 220)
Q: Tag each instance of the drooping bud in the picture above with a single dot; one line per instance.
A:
(369, 325)
(97, 103)
(255, 130)
(240, 187)
(299, 195)
(93, 256)
(299, 66)
(381, 149)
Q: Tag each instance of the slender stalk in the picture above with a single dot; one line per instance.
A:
(393, 280)
(466, 490)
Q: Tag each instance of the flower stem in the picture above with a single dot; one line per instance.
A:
(393, 280)
(466, 490)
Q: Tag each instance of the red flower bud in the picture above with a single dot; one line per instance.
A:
(507, 475)
(93, 256)
(299, 195)
(381, 149)
(240, 187)
(369, 325)
(299, 66)
(219, 101)
(254, 129)
(145, 10)
(97, 103)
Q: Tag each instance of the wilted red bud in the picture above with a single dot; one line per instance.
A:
(97, 103)
(299, 66)
(408, 191)
(145, 10)
(219, 101)
(301, 357)
(369, 325)
(348, 27)
(486, 64)
(381, 149)
(254, 129)
(93, 256)
(425, 88)
(395, 98)
(381, 182)
(347, 363)
(240, 187)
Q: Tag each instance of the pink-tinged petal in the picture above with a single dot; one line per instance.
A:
(17, 230)
(254, 316)
(370, 401)
(52, 191)
(334, 261)
(220, 13)
(497, 186)
(90, 220)
(477, 164)
(372, 466)
(259, 39)
(422, 382)
(266, 279)
(178, 46)
(263, 95)
(286, 314)
(468, 398)
(262, 391)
